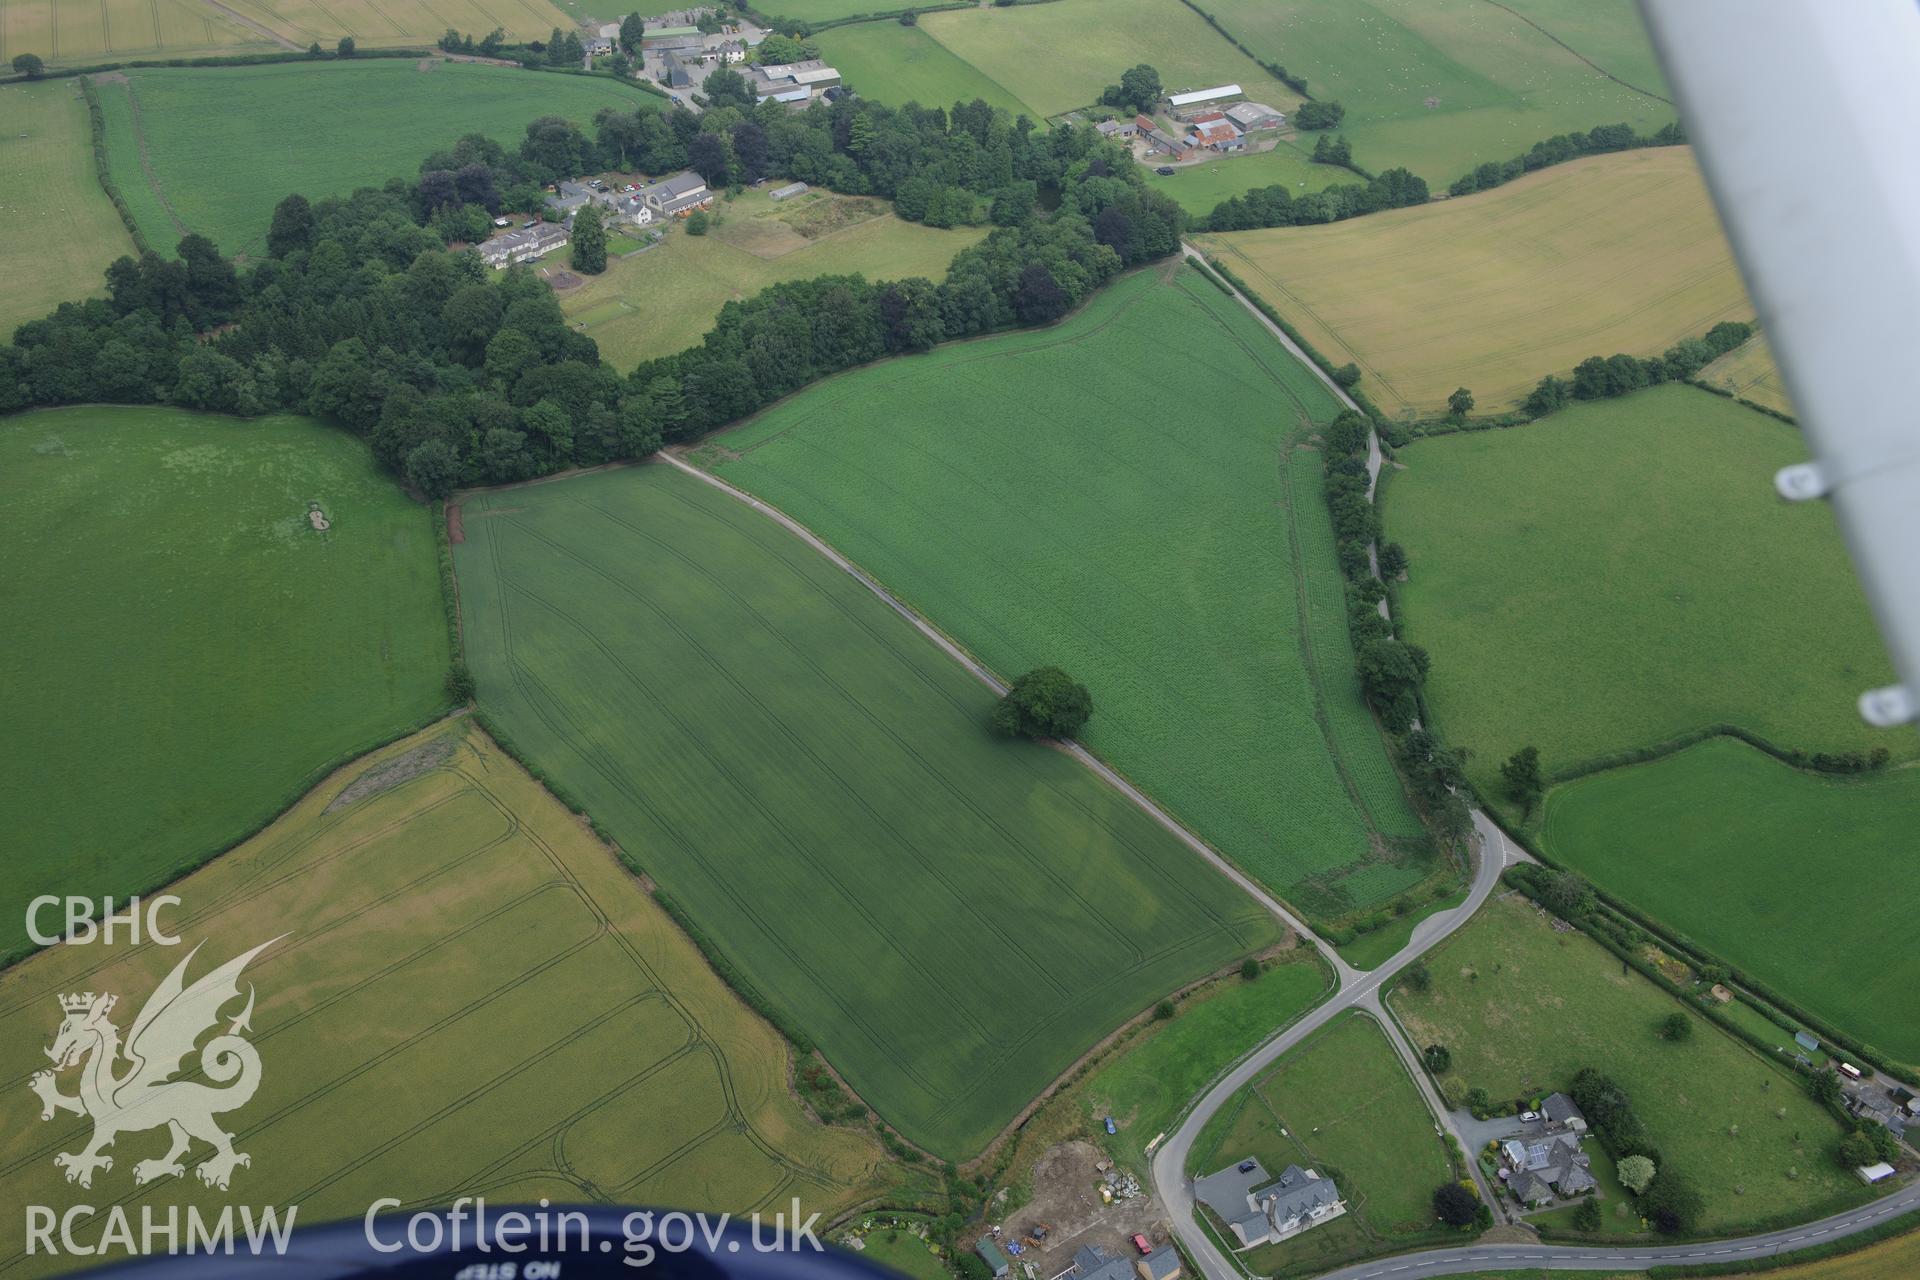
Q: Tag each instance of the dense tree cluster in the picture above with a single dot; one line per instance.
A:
(1599, 377)
(1455, 1204)
(1330, 148)
(1562, 147)
(1276, 206)
(457, 376)
(1319, 115)
(1138, 91)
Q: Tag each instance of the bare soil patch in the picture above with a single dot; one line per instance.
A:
(456, 532)
(1066, 1200)
(562, 279)
(402, 768)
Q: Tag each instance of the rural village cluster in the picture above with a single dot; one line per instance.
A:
(1009, 639)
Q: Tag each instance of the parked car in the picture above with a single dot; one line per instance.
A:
(1140, 1243)
(1111, 1126)
(1248, 1166)
(1165, 171)
(1528, 1117)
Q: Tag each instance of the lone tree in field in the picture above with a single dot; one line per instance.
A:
(1044, 703)
(1676, 1027)
(1454, 1205)
(1522, 772)
(1460, 403)
(589, 241)
(29, 65)
(1635, 1173)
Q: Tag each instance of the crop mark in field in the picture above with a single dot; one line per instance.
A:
(986, 920)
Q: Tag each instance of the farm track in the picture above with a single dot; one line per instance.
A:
(232, 14)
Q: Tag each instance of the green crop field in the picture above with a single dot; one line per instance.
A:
(213, 150)
(954, 918)
(1719, 840)
(470, 996)
(1146, 1087)
(787, 12)
(1621, 573)
(1523, 1007)
(1340, 1101)
(62, 230)
(82, 31)
(1112, 495)
(1199, 187)
(890, 63)
(180, 651)
(1492, 291)
(1440, 86)
(1060, 56)
(663, 299)
(1748, 371)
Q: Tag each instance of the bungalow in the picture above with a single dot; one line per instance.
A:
(1117, 128)
(681, 194)
(523, 245)
(727, 53)
(599, 45)
(1217, 93)
(1259, 1209)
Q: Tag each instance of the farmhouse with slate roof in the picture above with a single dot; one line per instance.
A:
(1550, 1165)
(1260, 1209)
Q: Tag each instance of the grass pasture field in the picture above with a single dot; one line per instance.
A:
(64, 230)
(1749, 372)
(179, 651)
(1621, 573)
(1718, 841)
(1523, 1007)
(663, 299)
(1146, 1086)
(1060, 55)
(890, 63)
(1199, 187)
(1493, 291)
(471, 996)
(953, 918)
(1343, 1101)
(1113, 495)
(1441, 86)
(214, 149)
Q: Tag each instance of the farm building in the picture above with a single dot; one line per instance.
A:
(523, 245)
(781, 80)
(599, 45)
(1261, 1209)
(675, 71)
(789, 191)
(1255, 115)
(682, 193)
(1216, 133)
(664, 37)
(990, 1254)
(1873, 1173)
(1117, 128)
(1219, 93)
(1158, 140)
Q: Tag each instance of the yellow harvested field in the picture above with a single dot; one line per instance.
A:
(65, 32)
(467, 994)
(1749, 372)
(62, 230)
(1493, 291)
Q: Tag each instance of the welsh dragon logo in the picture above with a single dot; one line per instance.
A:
(143, 1093)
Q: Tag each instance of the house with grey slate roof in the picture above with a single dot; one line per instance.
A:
(1261, 1209)
(1547, 1164)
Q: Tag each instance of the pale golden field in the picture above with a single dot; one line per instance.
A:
(66, 32)
(62, 230)
(470, 995)
(1748, 371)
(1492, 291)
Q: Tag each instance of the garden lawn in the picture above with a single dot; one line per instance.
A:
(1345, 1103)
(464, 982)
(953, 918)
(1199, 187)
(1060, 55)
(1749, 372)
(1523, 1008)
(62, 230)
(1495, 290)
(664, 299)
(180, 653)
(1728, 846)
(1147, 1087)
(1441, 86)
(1621, 573)
(890, 63)
(226, 144)
(1111, 495)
